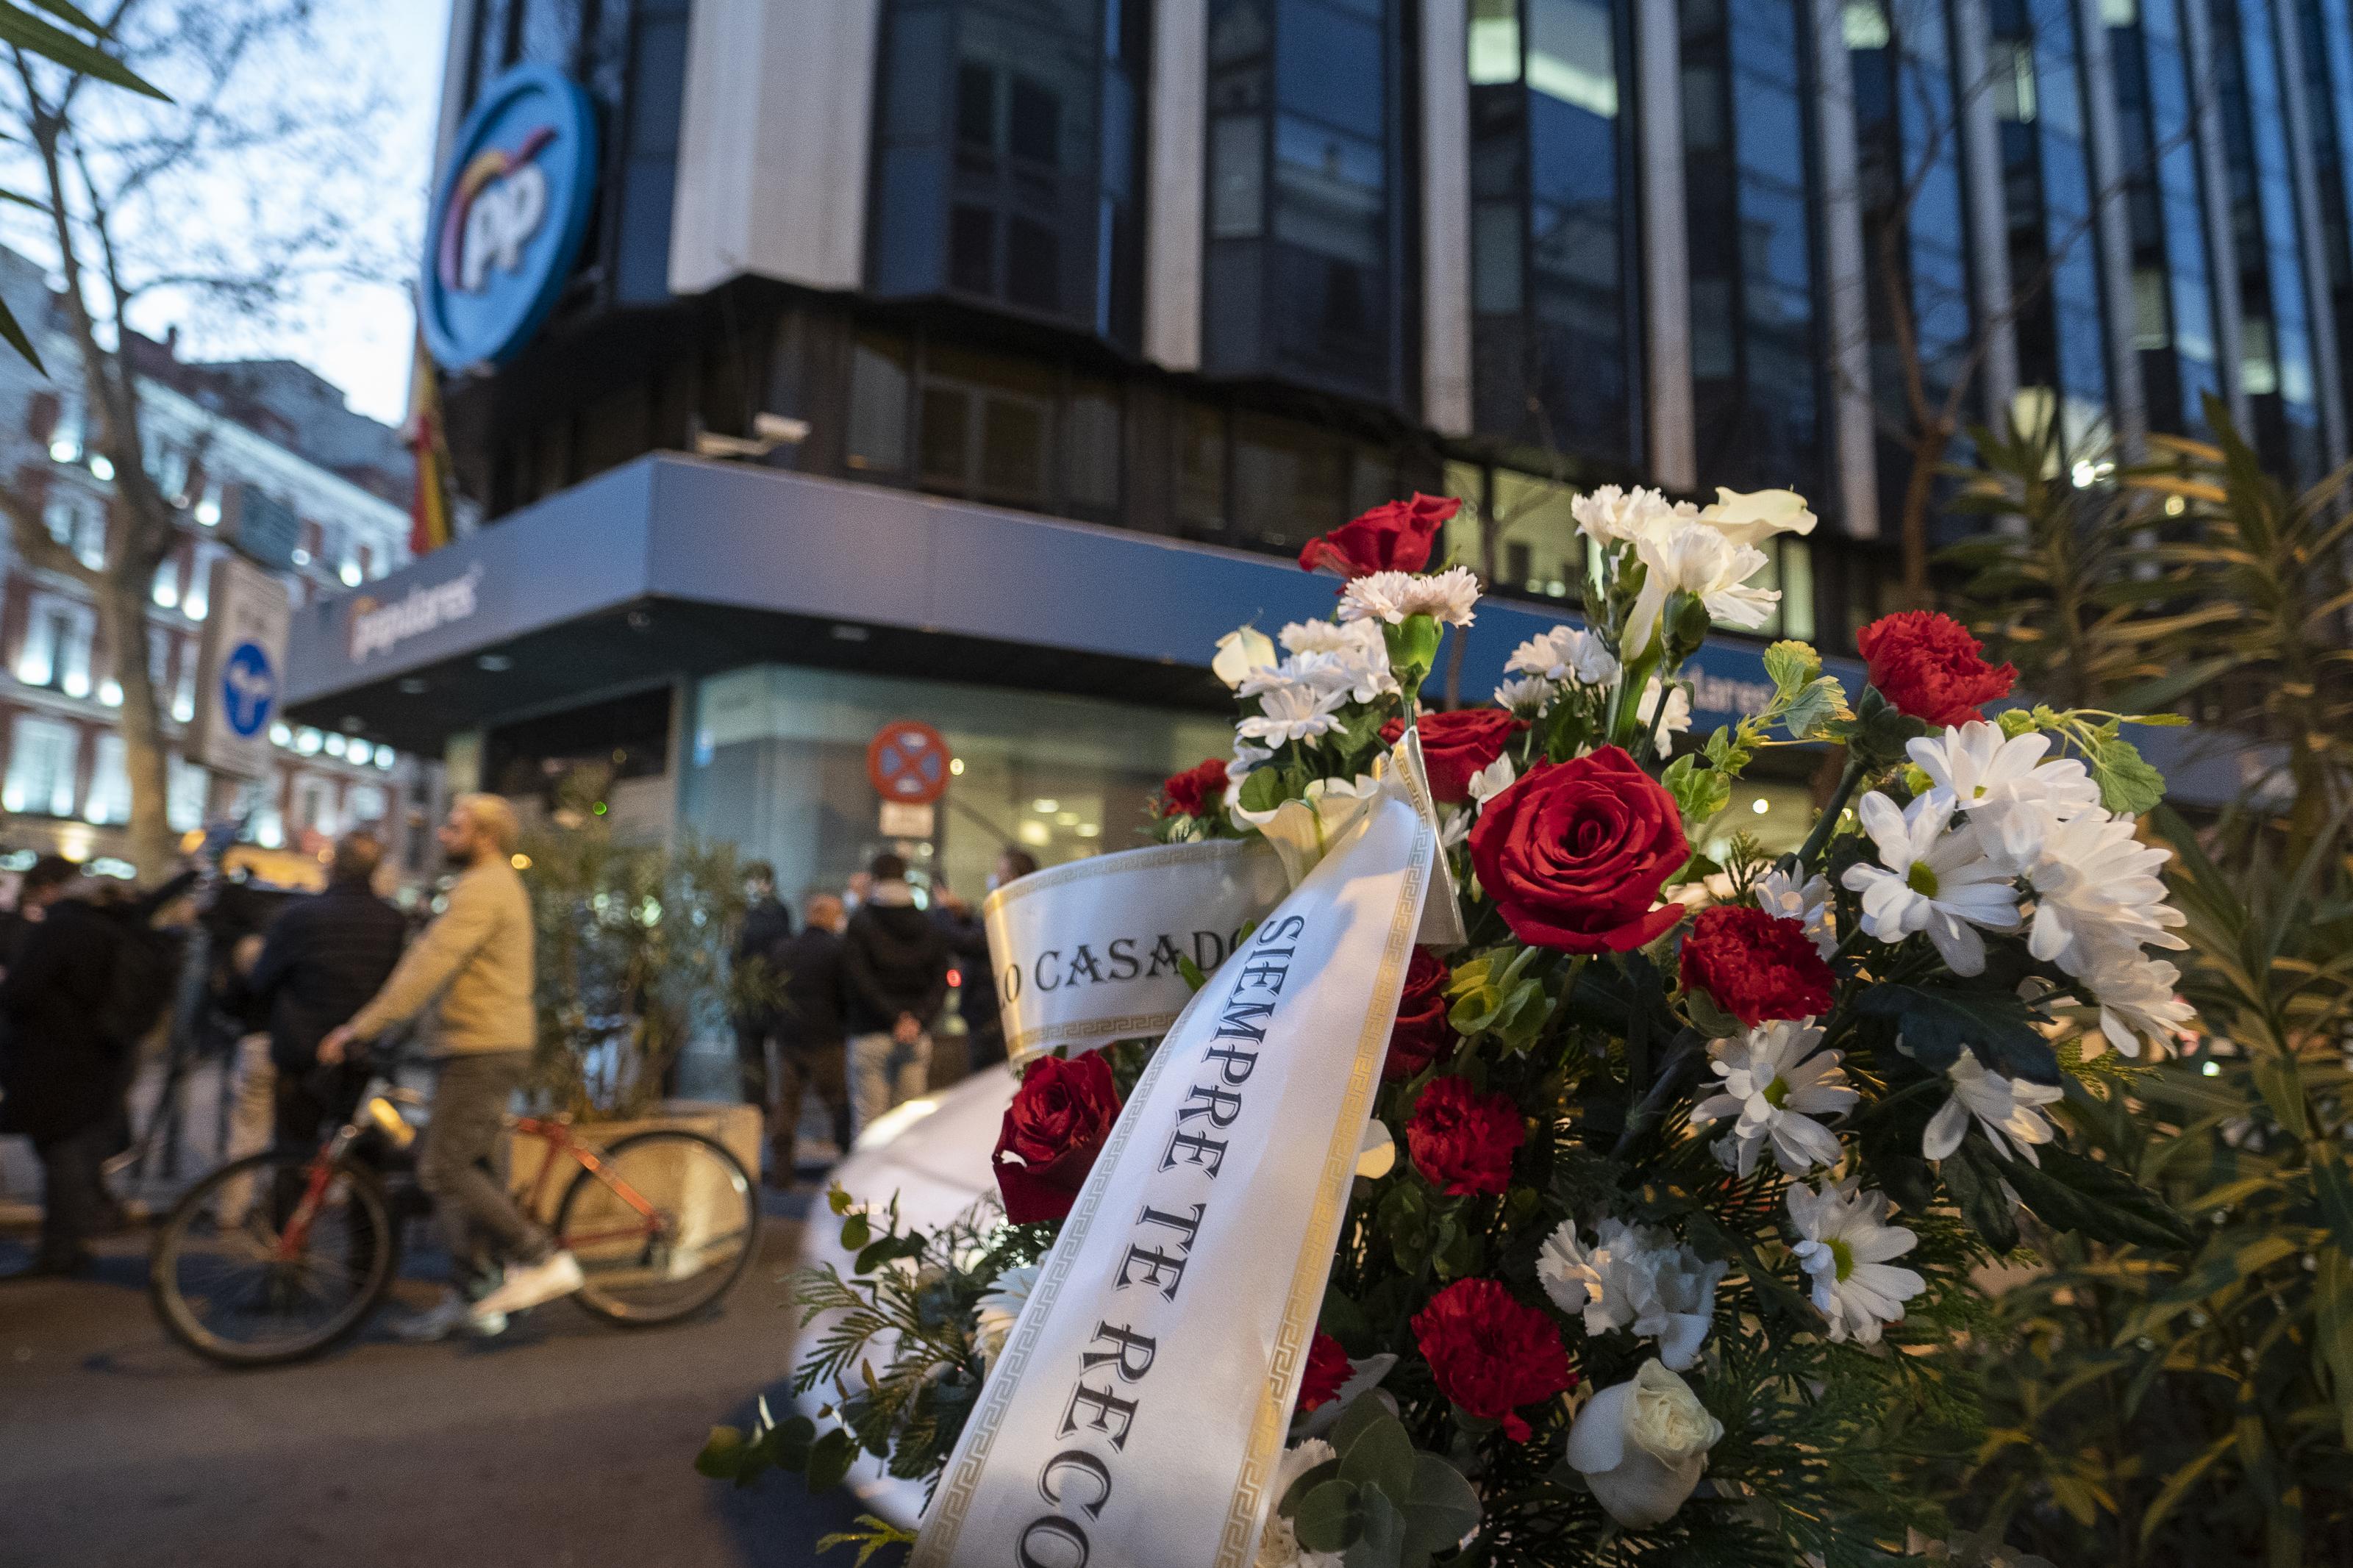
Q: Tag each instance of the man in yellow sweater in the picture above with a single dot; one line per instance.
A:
(473, 968)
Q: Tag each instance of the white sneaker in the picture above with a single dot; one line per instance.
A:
(555, 1275)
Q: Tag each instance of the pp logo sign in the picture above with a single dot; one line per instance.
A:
(249, 689)
(500, 203)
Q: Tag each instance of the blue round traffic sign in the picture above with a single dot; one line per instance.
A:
(508, 216)
(249, 689)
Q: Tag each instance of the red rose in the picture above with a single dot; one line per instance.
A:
(1574, 854)
(1422, 1034)
(1463, 1140)
(1929, 667)
(1052, 1133)
(1392, 537)
(1197, 791)
(1757, 966)
(1491, 1354)
(1327, 1369)
(1457, 745)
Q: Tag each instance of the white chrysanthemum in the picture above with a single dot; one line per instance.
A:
(1526, 695)
(1331, 637)
(1931, 879)
(1491, 781)
(1565, 653)
(1690, 557)
(1678, 715)
(1000, 1307)
(1809, 905)
(2096, 891)
(1392, 597)
(1634, 1277)
(1358, 675)
(1278, 1547)
(2136, 998)
(1845, 1244)
(1291, 712)
(1758, 515)
(2010, 793)
(1609, 514)
(2007, 1108)
(1774, 1084)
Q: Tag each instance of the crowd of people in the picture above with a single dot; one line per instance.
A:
(855, 996)
(850, 1000)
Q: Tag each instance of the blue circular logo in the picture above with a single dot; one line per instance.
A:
(508, 216)
(249, 689)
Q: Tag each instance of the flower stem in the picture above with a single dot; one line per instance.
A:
(1811, 850)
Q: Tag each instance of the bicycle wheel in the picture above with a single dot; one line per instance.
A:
(271, 1258)
(662, 1228)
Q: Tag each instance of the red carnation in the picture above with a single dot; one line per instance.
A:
(1197, 791)
(1393, 537)
(1423, 1035)
(1051, 1133)
(1490, 1354)
(1574, 853)
(1327, 1369)
(1929, 667)
(1463, 1140)
(1757, 966)
(1457, 745)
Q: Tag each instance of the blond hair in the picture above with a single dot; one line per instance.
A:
(492, 815)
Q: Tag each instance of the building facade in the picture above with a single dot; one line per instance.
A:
(234, 443)
(1178, 284)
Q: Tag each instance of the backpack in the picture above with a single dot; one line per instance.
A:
(146, 967)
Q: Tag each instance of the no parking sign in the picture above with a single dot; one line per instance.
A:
(907, 762)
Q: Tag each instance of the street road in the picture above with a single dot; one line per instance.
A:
(564, 1443)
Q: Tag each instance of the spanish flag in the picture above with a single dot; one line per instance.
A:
(429, 503)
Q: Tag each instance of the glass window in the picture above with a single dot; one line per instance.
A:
(1324, 60)
(185, 795)
(1330, 187)
(43, 756)
(878, 403)
(108, 799)
(1573, 54)
(987, 427)
(1237, 177)
(1495, 42)
(1541, 551)
(1201, 436)
(1289, 480)
(1091, 451)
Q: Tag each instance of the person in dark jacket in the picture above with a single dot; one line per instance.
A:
(810, 1055)
(894, 973)
(976, 999)
(321, 959)
(766, 922)
(44, 885)
(76, 1000)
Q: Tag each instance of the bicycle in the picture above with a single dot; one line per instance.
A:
(663, 1223)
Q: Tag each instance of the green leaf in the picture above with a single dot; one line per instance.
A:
(1264, 789)
(2070, 1192)
(1707, 1017)
(2129, 786)
(2334, 1188)
(722, 1457)
(1938, 1022)
(1381, 1458)
(829, 1459)
(856, 1232)
(1790, 664)
(1440, 1508)
(1382, 1542)
(1813, 710)
(1973, 1175)
(2332, 1310)
(29, 33)
(1191, 972)
(1701, 792)
(1329, 1517)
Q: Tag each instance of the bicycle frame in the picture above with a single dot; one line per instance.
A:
(557, 1135)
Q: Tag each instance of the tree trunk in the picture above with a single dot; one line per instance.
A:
(122, 616)
(1928, 456)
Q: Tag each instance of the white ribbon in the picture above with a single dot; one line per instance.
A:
(1088, 952)
(1135, 1416)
